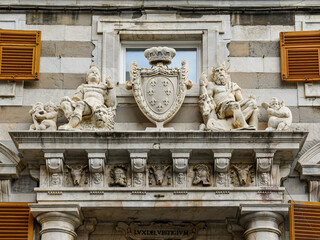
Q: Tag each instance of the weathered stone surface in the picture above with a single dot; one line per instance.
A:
(282, 18)
(74, 49)
(245, 80)
(309, 115)
(25, 184)
(260, 80)
(238, 49)
(54, 18)
(48, 49)
(66, 49)
(56, 81)
(264, 49)
(15, 114)
(273, 80)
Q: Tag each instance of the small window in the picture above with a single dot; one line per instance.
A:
(189, 52)
(300, 56)
(19, 54)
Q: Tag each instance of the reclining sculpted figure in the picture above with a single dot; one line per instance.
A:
(90, 100)
(221, 101)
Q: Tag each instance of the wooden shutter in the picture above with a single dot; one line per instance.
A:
(304, 220)
(16, 221)
(19, 54)
(300, 56)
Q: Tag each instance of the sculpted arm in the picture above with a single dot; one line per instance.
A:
(283, 112)
(110, 98)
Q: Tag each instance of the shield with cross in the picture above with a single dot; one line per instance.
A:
(159, 91)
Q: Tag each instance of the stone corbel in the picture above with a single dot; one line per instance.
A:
(264, 167)
(221, 168)
(96, 168)
(180, 167)
(139, 167)
(54, 166)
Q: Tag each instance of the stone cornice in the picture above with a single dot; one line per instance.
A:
(57, 141)
(134, 5)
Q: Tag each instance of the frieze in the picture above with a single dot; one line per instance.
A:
(140, 231)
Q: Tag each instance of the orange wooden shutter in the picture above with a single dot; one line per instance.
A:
(16, 221)
(19, 54)
(300, 56)
(304, 220)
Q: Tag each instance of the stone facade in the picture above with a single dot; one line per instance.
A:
(125, 181)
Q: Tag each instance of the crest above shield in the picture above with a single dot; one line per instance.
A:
(159, 91)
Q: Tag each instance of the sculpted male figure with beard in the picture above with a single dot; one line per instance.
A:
(228, 102)
(88, 98)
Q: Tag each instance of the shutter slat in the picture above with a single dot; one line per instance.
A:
(300, 57)
(16, 221)
(304, 220)
(19, 54)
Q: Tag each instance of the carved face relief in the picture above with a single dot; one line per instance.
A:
(138, 178)
(243, 174)
(201, 175)
(181, 178)
(221, 179)
(119, 177)
(97, 178)
(220, 75)
(77, 172)
(159, 173)
(264, 178)
(55, 179)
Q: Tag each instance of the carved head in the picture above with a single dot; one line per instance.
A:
(50, 107)
(76, 173)
(159, 173)
(93, 74)
(243, 173)
(202, 175)
(118, 174)
(206, 104)
(274, 103)
(220, 74)
(37, 108)
(103, 117)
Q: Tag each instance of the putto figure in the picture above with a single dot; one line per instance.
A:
(221, 99)
(92, 107)
(44, 116)
(279, 116)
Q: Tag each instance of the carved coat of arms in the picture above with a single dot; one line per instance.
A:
(159, 91)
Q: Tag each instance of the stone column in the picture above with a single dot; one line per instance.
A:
(262, 225)
(57, 221)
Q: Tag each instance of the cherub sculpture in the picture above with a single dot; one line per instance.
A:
(44, 116)
(90, 100)
(279, 116)
(221, 99)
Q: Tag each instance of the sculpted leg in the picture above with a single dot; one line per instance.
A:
(75, 117)
(238, 118)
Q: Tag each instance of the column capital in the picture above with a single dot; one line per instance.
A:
(58, 221)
